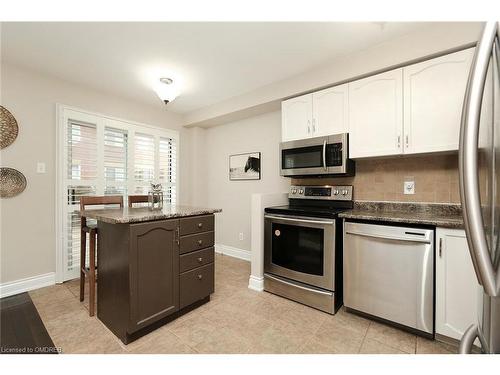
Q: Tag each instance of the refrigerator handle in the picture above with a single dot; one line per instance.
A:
(468, 162)
(470, 335)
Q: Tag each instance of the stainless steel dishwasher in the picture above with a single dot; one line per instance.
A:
(389, 273)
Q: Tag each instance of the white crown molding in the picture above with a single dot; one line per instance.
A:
(233, 252)
(24, 285)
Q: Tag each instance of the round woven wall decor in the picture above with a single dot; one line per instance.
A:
(8, 127)
(12, 182)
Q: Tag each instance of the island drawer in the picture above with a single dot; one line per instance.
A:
(196, 242)
(196, 284)
(196, 259)
(197, 224)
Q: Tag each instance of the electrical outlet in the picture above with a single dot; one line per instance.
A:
(241, 236)
(40, 167)
(409, 187)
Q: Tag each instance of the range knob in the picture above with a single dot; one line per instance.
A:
(335, 192)
(344, 192)
(294, 191)
(301, 191)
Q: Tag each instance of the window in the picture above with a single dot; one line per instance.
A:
(167, 170)
(144, 162)
(99, 155)
(115, 161)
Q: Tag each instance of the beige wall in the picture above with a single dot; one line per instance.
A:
(257, 134)
(433, 39)
(435, 176)
(28, 223)
(28, 233)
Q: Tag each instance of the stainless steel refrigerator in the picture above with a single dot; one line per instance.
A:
(479, 165)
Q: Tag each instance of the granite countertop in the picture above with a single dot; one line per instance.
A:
(128, 215)
(440, 215)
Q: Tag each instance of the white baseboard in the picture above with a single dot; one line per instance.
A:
(256, 283)
(23, 285)
(233, 252)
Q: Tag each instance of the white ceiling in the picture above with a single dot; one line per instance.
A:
(210, 61)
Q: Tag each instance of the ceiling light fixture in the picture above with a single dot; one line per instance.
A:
(166, 90)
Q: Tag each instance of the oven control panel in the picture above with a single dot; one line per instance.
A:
(327, 192)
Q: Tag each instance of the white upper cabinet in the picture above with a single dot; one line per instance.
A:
(433, 98)
(457, 289)
(410, 110)
(330, 111)
(376, 115)
(296, 118)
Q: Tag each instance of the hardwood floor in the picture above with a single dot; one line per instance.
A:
(21, 328)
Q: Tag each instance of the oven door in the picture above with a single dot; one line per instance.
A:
(301, 249)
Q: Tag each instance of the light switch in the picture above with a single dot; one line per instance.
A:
(40, 167)
(409, 187)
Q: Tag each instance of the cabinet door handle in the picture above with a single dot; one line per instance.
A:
(200, 225)
(308, 127)
(200, 242)
(399, 141)
(200, 259)
(200, 277)
(440, 247)
(314, 125)
(406, 140)
(178, 235)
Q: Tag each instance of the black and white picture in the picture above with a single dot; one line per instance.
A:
(244, 166)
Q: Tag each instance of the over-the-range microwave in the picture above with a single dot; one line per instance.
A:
(319, 156)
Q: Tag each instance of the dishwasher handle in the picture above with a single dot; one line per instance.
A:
(410, 237)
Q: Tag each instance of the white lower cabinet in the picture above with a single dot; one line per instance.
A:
(457, 289)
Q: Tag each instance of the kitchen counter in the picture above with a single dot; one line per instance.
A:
(440, 215)
(127, 215)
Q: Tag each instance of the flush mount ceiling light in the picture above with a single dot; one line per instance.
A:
(166, 90)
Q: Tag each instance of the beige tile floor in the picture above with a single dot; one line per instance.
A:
(236, 320)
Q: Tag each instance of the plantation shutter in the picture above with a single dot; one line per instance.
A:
(167, 167)
(144, 162)
(82, 177)
(102, 156)
(115, 161)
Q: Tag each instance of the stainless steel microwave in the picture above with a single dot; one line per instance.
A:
(328, 155)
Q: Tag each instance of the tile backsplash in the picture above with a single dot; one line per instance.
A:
(435, 176)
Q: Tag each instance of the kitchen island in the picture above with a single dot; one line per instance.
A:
(154, 265)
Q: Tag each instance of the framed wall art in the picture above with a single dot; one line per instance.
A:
(244, 166)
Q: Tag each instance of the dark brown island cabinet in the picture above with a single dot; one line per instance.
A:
(149, 273)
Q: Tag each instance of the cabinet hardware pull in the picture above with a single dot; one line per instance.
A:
(440, 247)
(308, 127)
(200, 277)
(406, 141)
(178, 235)
(200, 260)
(399, 141)
(314, 125)
(200, 242)
(200, 225)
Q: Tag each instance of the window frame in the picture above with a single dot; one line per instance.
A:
(64, 113)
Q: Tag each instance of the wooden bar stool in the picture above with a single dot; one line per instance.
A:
(137, 199)
(92, 231)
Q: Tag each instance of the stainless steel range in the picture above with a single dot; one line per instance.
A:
(303, 246)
